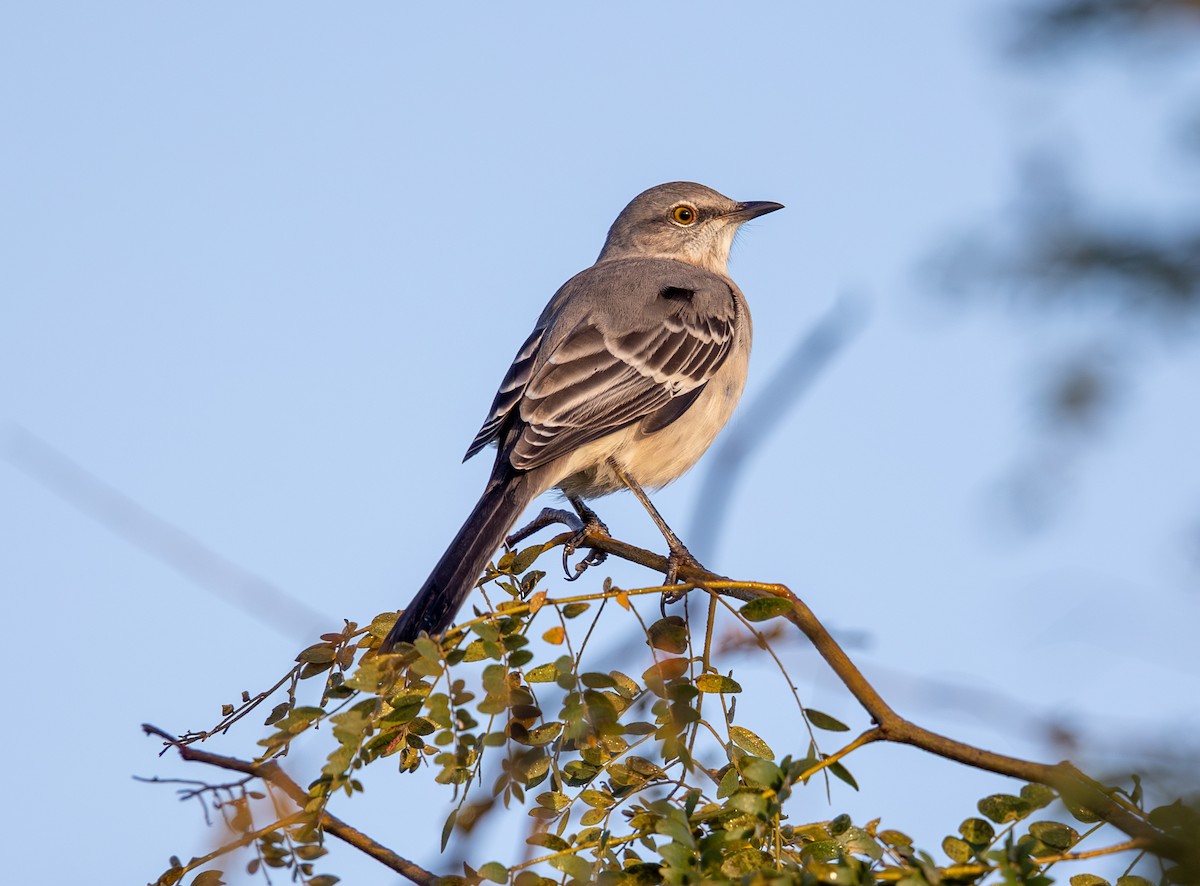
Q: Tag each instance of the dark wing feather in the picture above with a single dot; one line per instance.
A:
(587, 370)
(593, 384)
(509, 394)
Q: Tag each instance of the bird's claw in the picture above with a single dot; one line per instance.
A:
(592, 528)
(678, 557)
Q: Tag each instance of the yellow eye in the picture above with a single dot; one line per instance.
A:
(684, 215)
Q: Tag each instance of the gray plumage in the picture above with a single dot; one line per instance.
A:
(641, 359)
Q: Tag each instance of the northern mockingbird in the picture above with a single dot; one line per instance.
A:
(632, 369)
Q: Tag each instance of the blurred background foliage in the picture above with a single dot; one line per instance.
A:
(1117, 285)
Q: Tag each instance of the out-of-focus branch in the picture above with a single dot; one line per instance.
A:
(124, 517)
(272, 773)
(1046, 27)
(756, 420)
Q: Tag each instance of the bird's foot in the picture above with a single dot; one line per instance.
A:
(586, 525)
(591, 526)
(678, 558)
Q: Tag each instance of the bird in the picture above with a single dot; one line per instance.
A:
(631, 371)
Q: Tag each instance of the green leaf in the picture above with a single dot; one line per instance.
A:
(844, 774)
(822, 850)
(476, 651)
(593, 816)
(729, 783)
(318, 653)
(959, 851)
(593, 680)
(573, 866)
(597, 799)
(1088, 880)
(823, 721)
(751, 743)
(570, 611)
(744, 861)
(761, 773)
(448, 827)
(858, 841)
(544, 673)
(749, 801)
(716, 683)
(1038, 795)
(311, 670)
(894, 839)
(977, 831)
(539, 736)
(547, 840)
(529, 878)
(382, 624)
(666, 670)
(669, 634)
(765, 608)
(428, 650)
(577, 773)
(553, 800)
(277, 713)
(522, 560)
(624, 684)
(1080, 812)
(1133, 880)
(1054, 834)
(494, 871)
(1003, 808)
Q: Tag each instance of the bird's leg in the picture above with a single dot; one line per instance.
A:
(586, 523)
(547, 517)
(591, 525)
(678, 554)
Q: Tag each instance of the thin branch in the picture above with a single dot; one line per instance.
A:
(1072, 784)
(972, 871)
(866, 738)
(272, 773)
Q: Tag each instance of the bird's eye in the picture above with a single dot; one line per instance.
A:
(684, 215)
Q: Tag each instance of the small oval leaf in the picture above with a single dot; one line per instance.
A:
(716, 683)
(765, 608)
(821, 720)
(751, 743)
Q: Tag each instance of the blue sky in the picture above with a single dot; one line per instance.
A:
(263, 268)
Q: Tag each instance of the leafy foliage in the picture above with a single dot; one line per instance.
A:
(624, 778)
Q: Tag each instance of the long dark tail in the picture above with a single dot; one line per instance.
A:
(452, 580)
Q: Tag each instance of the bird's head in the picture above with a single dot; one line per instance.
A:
(683, 221)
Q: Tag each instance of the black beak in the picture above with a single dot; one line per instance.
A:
(753, 209)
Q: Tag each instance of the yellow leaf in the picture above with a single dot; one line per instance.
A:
(555, 635)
